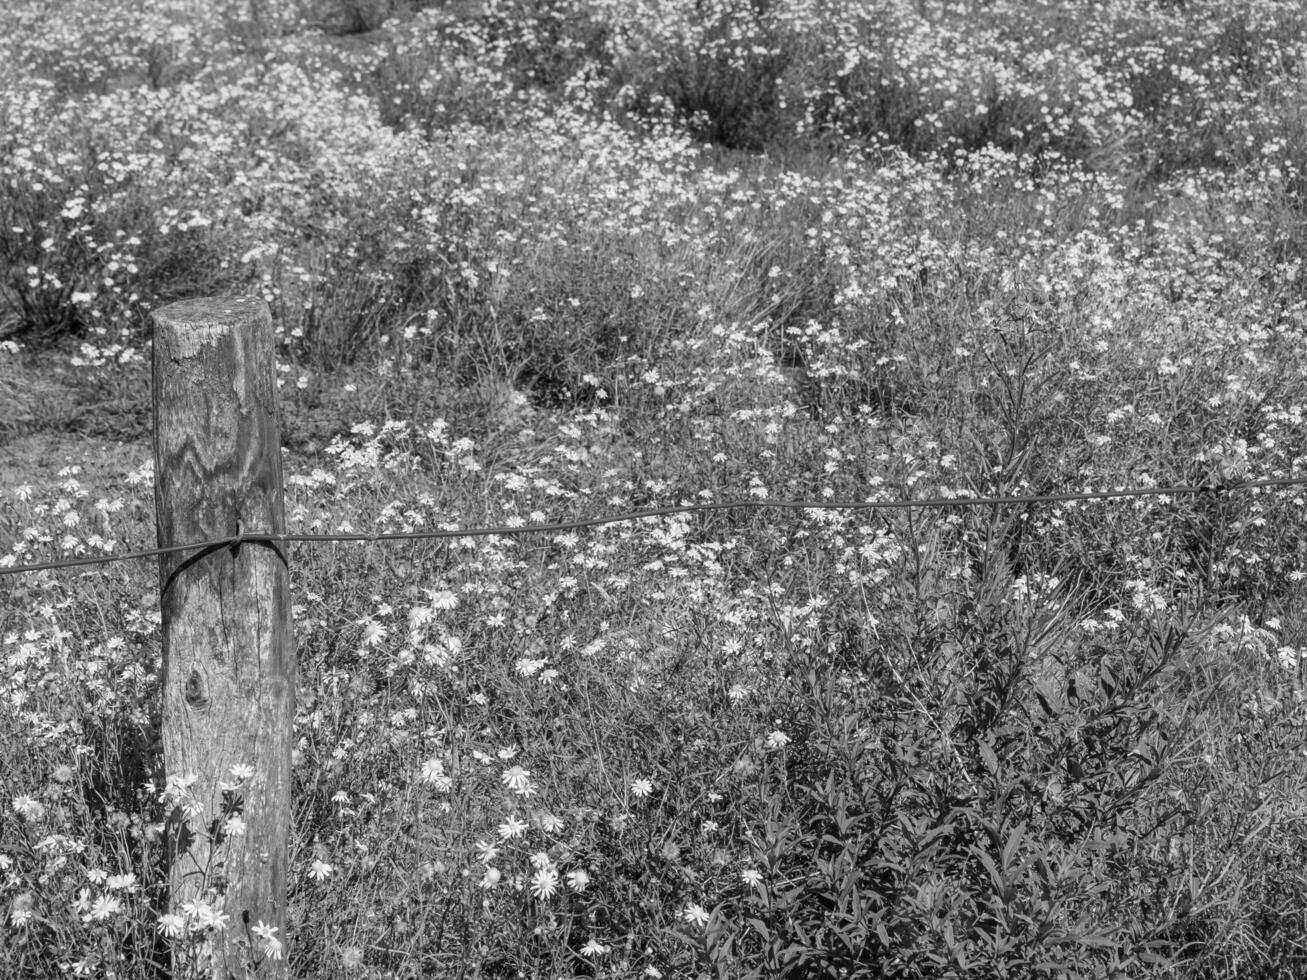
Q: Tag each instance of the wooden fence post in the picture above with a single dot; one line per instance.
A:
(228, 657)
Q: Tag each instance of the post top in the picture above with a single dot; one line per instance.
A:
(212, 311)
(185, 327)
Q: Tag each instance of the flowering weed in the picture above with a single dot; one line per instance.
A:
(537, 261)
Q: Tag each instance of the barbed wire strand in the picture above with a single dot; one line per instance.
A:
(507, 530)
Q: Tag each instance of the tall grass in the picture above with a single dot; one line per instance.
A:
(539, 260)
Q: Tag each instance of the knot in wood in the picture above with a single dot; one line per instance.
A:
(194, 692)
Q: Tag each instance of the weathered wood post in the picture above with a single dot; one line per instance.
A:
(228, 657)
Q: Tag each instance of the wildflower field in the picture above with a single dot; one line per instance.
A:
(540, 260)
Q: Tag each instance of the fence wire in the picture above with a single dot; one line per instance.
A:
(507, 530)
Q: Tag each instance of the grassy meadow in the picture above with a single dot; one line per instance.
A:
(536, 260)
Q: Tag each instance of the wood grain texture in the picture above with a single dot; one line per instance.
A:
(228, 658)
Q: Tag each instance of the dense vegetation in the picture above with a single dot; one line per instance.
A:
(538, 259)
